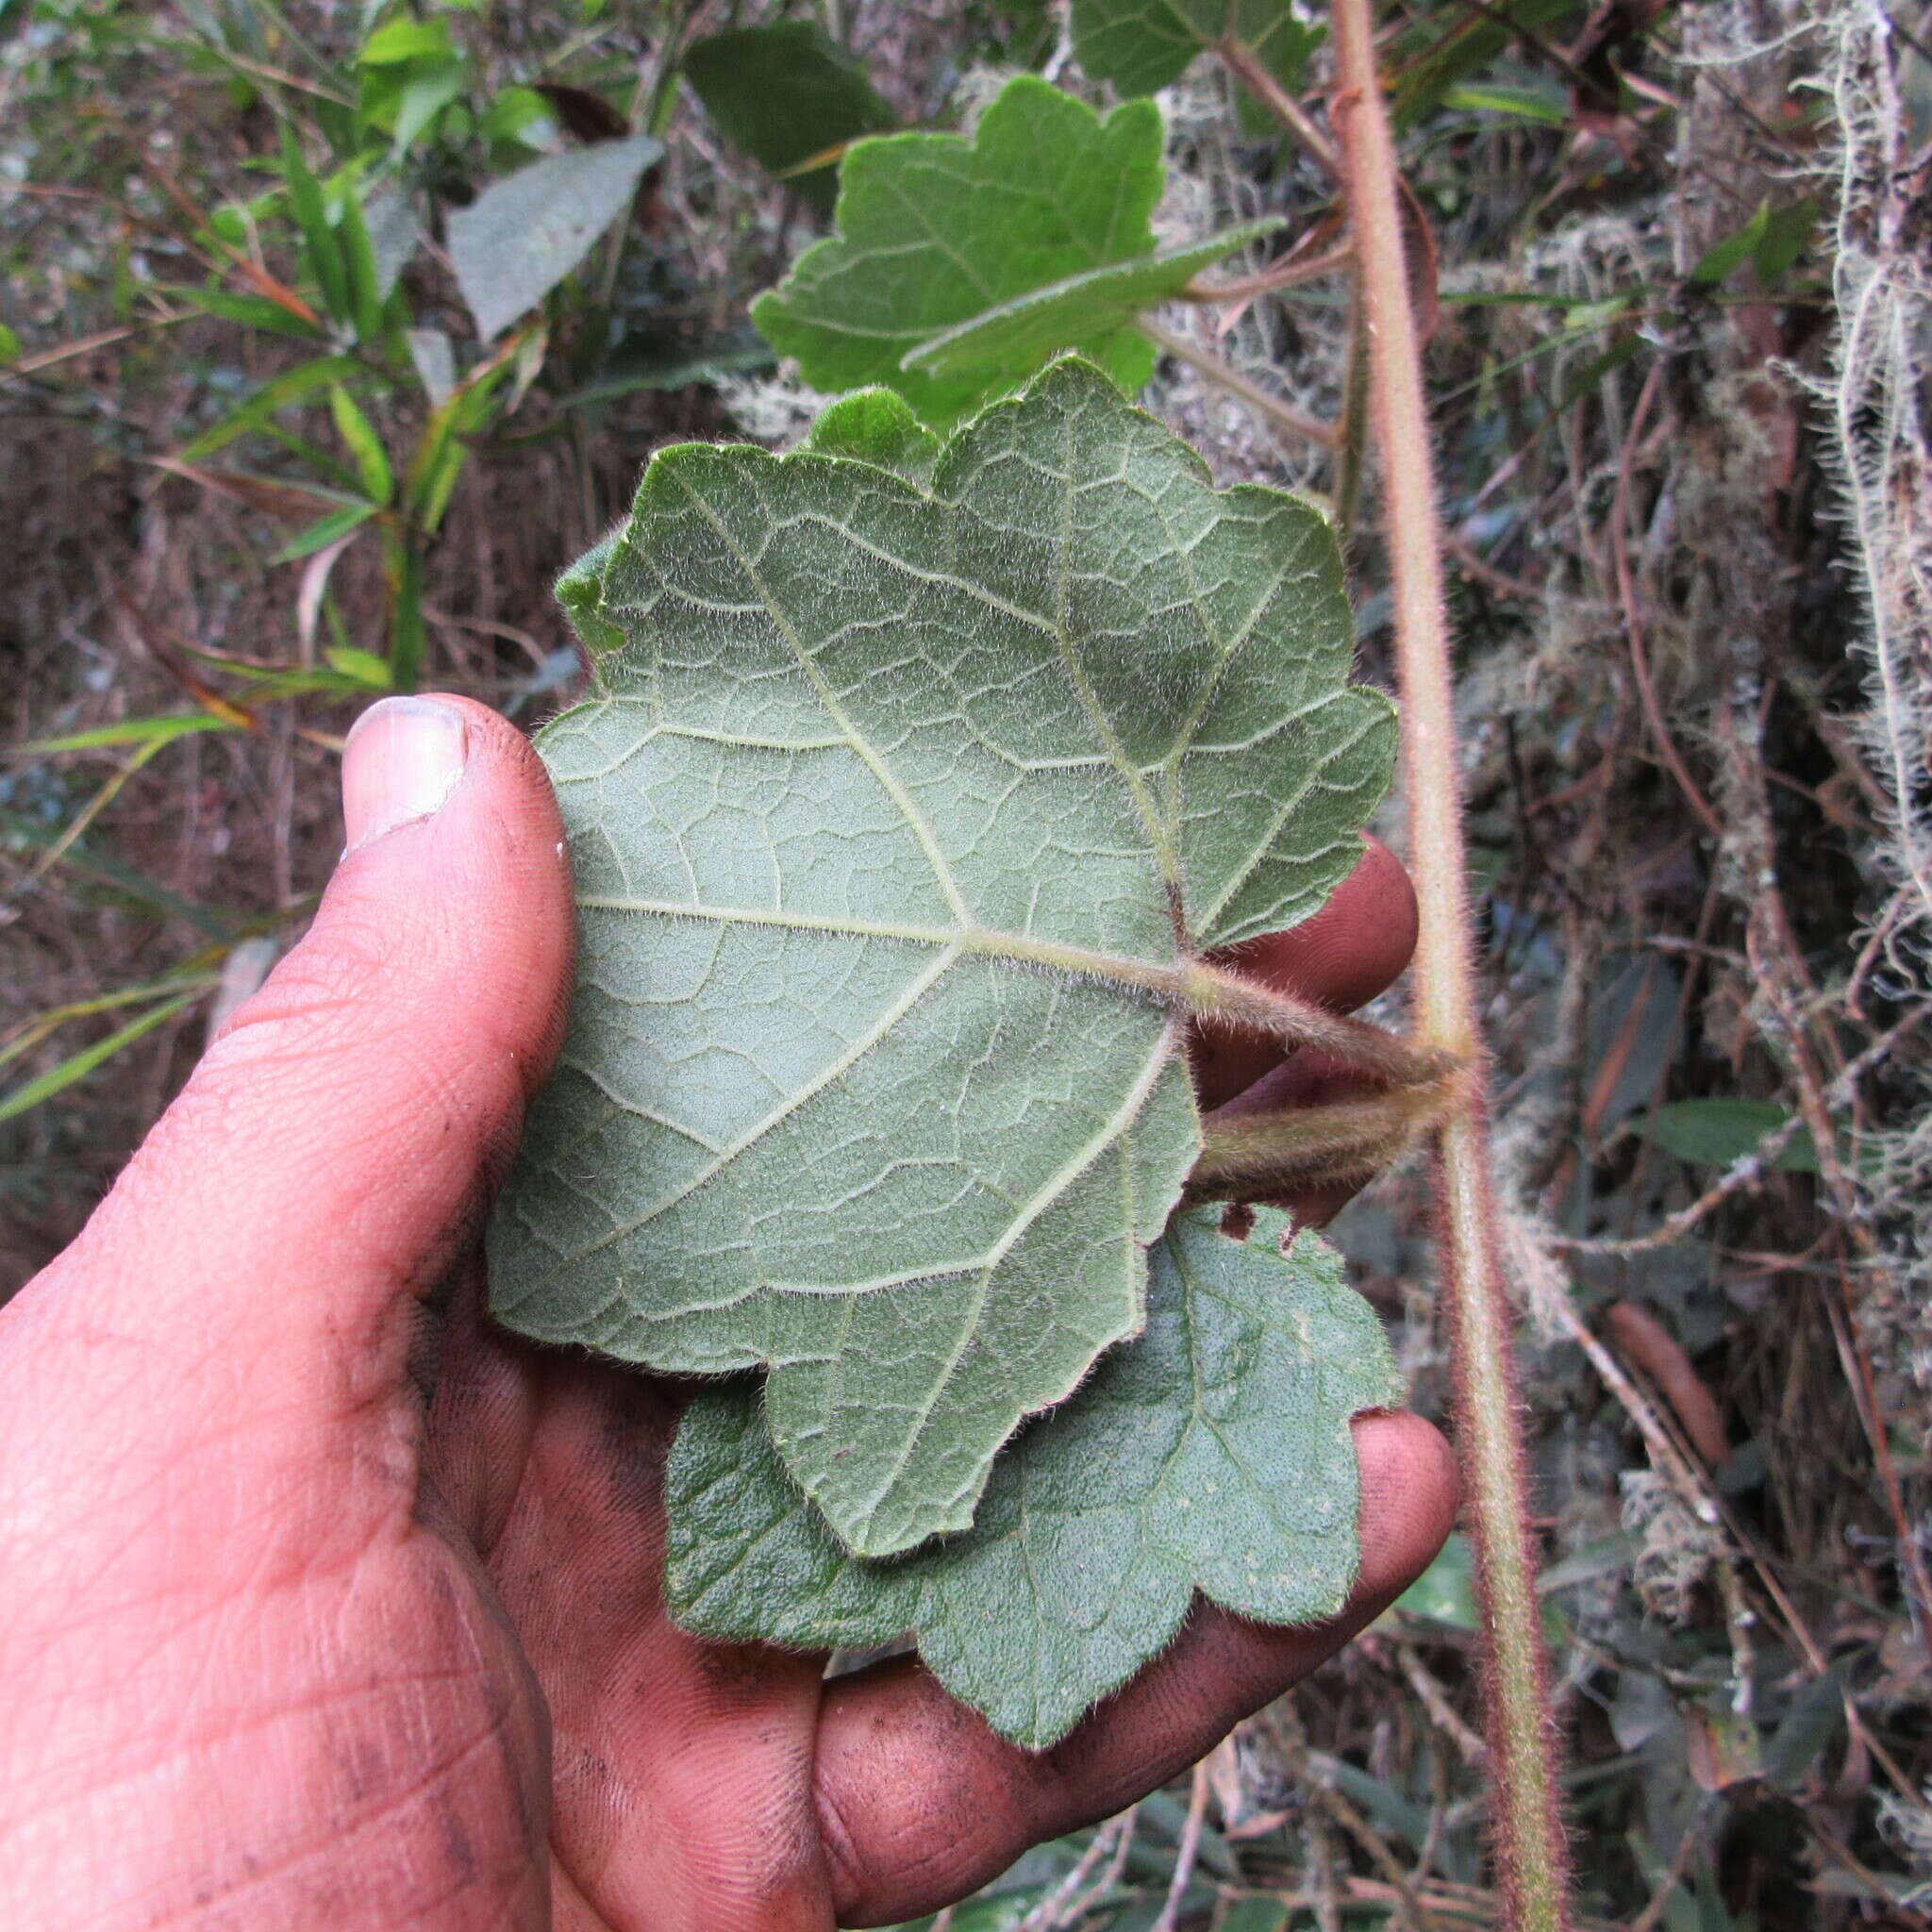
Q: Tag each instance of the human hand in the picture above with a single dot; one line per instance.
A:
(323, 1602)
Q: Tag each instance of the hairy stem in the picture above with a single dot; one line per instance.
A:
(1266, 1153)
(1531, 1855)
(1213, 992)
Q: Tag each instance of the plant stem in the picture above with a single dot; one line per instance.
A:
(1247, 67)
(1226, 377)
(1532, 1857)
(1262, 1154)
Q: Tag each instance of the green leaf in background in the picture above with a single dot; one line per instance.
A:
(896, 816)
(411, 70)
(784, 93)
(31, 1094)
(1719, 1130)
(1722, 258)
(1143, 45)
(1782, 241)
(364, 445)
(935, 230)
(312, 218)
(403, 39)
(1445, 1591)
(1214, 1455)
(1021, 334)
(1451, 44)
(325, 531)
(523, 235)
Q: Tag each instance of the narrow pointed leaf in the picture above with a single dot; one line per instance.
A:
(897, 815)
(1211, 1454)
(935, 230)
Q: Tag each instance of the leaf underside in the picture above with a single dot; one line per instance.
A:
(1214, 1455)
(936, 231)
(899, 808)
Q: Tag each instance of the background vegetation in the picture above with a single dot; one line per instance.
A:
(258, 462)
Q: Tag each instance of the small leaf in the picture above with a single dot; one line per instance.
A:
(365, 667)
(523, 235)
(365, 273)
(137, 732)
(1531, 99)
(295, 385)
(358, 434)
(1811, 1720)
(1721, 1129)
(329, 529)
(325, 251)
(1786, 235)
(1143, 45)
(1213, 1455)
(785, 93)
(401, 39)
(1445, 1591)
(251, 311)
(433, 357)
(935, 230)
(897, 815)
(1723, 257)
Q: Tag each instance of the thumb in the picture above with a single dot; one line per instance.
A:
(336, 1148)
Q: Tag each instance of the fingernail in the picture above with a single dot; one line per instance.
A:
(401, 762)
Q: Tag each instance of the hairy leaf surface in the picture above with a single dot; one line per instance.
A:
(915, 777)
(1213, 1454)
(939, 235)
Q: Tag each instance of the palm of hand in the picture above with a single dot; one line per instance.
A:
(321, 1602)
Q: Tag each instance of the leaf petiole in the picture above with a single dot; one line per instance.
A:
(1262, 1155)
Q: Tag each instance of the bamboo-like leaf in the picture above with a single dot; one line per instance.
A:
(359, 435)
(78, 1066)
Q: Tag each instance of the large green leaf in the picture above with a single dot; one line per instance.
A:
(1213, 1455)
(938, 233)
(784, 93)
(1141, 45)
(897, 815)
